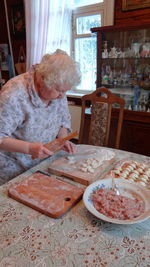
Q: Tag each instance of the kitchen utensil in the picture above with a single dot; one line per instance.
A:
(58, 143)
(114, 187)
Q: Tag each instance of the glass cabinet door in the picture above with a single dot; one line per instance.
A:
(125, 66)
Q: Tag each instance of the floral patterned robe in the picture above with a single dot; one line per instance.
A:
(24, 116)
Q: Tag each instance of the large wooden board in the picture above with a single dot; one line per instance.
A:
(71, 168)
(46, 194)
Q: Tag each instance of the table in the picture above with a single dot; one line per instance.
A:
(29, 238)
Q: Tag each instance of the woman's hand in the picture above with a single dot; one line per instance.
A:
(70, 147)
(38, 150)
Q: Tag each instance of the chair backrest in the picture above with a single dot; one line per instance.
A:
(101, 102)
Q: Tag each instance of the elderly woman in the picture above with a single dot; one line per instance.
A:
(34, 111)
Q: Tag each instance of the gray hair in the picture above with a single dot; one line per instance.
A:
(59, 69)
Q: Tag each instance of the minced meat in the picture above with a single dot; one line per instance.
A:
(116, 206)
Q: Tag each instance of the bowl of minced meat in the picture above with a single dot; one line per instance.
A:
(130, 206)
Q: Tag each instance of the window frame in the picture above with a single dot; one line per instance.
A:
(105, 9)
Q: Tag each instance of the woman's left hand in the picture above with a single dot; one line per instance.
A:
(70, 147)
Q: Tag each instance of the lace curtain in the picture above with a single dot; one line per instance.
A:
(48, 27)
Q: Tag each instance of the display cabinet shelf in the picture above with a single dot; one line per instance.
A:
(123, 61)
(123, 66)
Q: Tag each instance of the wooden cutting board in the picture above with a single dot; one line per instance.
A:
(71, 166)
(46, 194)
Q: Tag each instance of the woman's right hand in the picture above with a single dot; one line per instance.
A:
(38, 150)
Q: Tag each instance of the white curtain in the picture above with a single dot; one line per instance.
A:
(48, 27)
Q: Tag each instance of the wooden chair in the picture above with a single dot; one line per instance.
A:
(101, 112)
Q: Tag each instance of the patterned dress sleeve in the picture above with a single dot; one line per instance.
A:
(11, 115)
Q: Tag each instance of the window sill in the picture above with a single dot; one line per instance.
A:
(77, 94)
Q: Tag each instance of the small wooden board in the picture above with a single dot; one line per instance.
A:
(72, 170)
(46, 194)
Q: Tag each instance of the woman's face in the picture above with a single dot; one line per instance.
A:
(47, 94)
(53, 93)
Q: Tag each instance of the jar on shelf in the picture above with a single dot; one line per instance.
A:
(145, 50)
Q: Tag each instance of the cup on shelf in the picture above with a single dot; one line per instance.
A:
(135, 47)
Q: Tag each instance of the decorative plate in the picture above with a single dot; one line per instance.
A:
(126, 188)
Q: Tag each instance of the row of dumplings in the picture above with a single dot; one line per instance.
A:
(134, 171)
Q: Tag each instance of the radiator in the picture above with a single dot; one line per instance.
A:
(75, 112)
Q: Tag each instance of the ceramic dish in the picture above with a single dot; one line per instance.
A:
(126, 188)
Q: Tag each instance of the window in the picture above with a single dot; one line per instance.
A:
(79, 3)
(88, 14)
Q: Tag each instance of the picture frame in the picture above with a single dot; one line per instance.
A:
(128, 5)
(18, 20)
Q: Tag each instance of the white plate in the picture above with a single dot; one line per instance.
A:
(126, 188)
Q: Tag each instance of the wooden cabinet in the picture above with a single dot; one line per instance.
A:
(135, 133)
(123, 66)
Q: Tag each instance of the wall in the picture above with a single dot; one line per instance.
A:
(130, 17)
(75, 112)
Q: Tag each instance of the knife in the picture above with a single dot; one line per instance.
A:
(58, 143)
